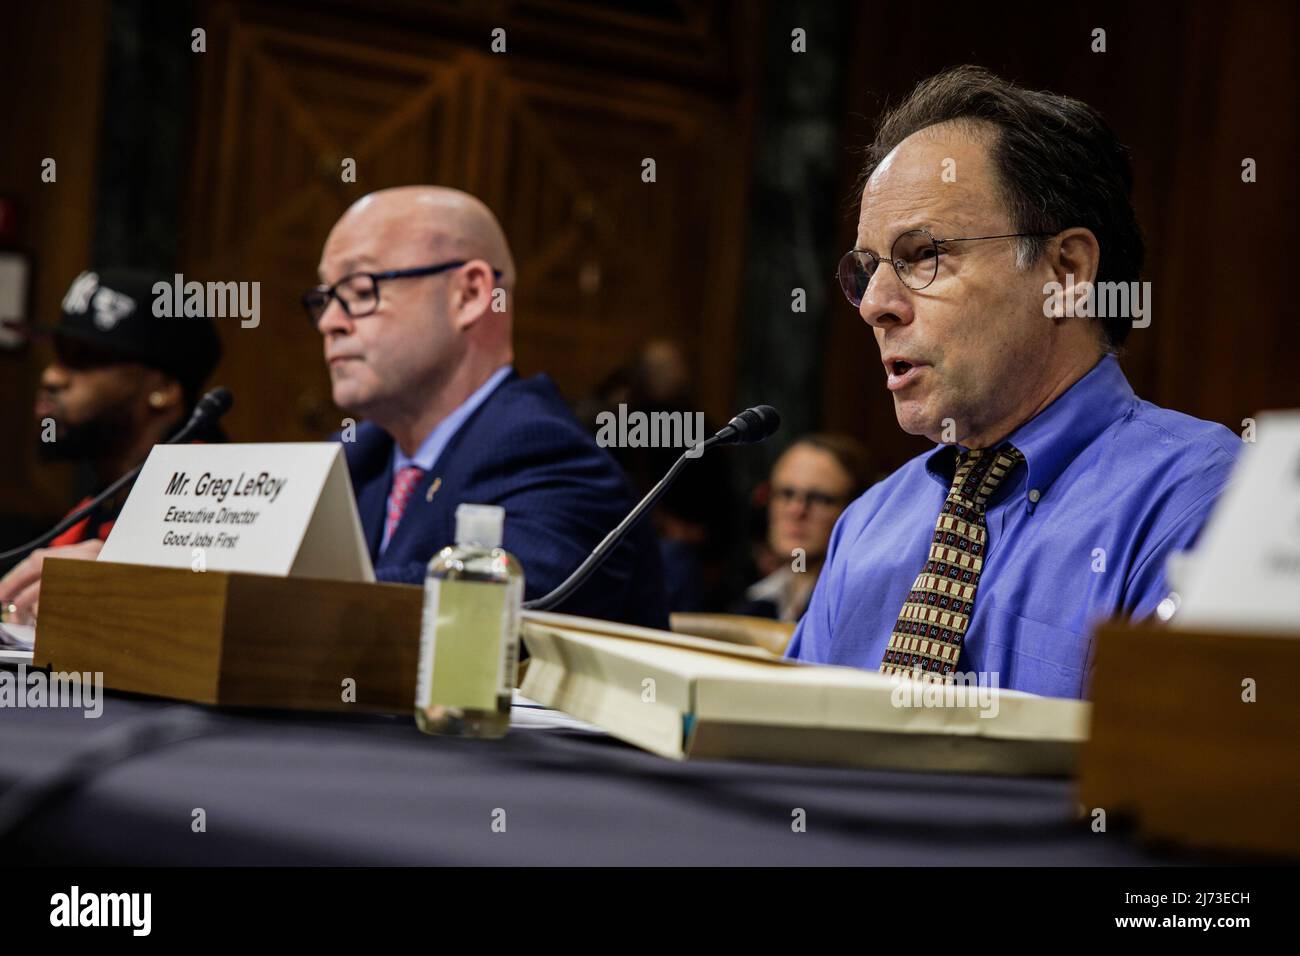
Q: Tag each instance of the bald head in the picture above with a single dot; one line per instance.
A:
(425, 342)
(447, 223)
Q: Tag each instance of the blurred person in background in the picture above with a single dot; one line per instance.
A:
(811, 484)
(121, 381)
(693, 522)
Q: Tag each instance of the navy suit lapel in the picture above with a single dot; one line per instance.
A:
(370, 468)
(429, 521)
(461, 452)
(372, 502)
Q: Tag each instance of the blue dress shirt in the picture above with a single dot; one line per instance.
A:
(1080, 532)
(426, 456)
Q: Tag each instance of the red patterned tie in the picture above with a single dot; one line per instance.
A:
(928, 636)
(404, 483)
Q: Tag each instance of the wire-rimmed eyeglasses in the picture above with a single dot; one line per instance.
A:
(914, 256)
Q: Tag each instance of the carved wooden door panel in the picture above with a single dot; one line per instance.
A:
(606, 260)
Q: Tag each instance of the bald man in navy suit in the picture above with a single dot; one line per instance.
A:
(415, 309)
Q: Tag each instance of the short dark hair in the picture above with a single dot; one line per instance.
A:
(1059, 163)
(849, 453)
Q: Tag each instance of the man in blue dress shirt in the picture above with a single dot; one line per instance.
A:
(1055, 494)
(415, 310)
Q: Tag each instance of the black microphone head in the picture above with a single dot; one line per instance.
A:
(212, 406)
(752, 425)
(769, 421)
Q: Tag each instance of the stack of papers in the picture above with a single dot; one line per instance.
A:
(526, 714)
(20, 637)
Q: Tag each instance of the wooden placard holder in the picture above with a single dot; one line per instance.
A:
(1175, 746)
(245, 640)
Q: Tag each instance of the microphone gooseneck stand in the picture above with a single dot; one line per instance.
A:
(750, 426)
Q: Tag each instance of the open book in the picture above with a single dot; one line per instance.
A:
(688, 697)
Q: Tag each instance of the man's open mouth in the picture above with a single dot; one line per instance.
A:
(901, 373)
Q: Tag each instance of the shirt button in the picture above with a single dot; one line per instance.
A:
(1034, 495)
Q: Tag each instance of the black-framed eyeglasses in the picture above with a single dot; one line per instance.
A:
(785, 495)
(914, 256)
(358, 292)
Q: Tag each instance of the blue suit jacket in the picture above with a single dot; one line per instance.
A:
(521, 449)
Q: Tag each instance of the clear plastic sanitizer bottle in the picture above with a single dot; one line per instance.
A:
(469, 634)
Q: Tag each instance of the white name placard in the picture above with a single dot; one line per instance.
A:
(1244, 573)
(280, 509)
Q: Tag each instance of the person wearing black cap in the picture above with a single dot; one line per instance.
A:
(121, 382)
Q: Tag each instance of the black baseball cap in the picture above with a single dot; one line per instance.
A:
(112, 311)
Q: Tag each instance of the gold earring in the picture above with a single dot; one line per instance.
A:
(157, 399)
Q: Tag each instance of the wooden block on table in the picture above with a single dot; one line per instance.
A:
(1175, 745)
(232, 639)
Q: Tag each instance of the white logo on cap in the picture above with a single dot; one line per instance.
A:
(78, 297)
(111, 307)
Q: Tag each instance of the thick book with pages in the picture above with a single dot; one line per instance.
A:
(687, 697)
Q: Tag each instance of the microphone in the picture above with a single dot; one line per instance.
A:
(207, 410)
(749, 427)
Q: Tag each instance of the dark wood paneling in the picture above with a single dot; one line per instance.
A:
(1192, 88)
(605, 260)
(49, 112)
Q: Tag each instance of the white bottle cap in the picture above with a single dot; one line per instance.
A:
(479, 525)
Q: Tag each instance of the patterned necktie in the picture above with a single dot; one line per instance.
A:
(404, 483)
(928, 636)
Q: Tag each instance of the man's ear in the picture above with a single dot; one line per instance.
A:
(473, 293)
(1076, 253)
(1074, 257)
